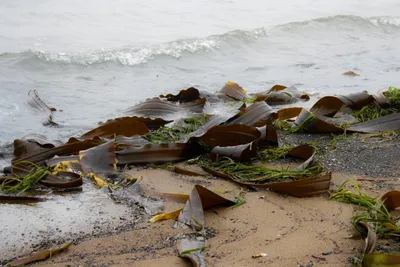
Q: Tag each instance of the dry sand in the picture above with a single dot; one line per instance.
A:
(292, 231)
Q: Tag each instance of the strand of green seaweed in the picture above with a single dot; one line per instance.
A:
(274, 153)
(27, 182)
(372, 211)
(393, 95)
(175, 133)
(372, 111)
(261, 174)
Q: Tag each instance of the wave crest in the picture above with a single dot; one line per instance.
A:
(136, 56)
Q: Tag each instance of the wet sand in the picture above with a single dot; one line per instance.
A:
(291, 231)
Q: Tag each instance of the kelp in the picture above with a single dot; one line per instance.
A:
(232, 91)
(261, 174)
(126, 126)
(151, 124)
(157, 106)
(308, 179)
(157, 153)
(62, 179)
(70, 148)
(38, 104)
(280, 95)
(12, 199)
(26, 182)
(183, 96)
(99, 159)
(39, 255)
(231, 135)
(41, 140)
(258, 114)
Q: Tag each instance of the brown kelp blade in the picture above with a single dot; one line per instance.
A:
(238, 153)
(191, 249)
(72, 148)
(126, 126)
(386, 123)
(42, 140)
(23, 149)
(232, 91)
(269, 136)
(40, 255)
(200, 199)
(151, 124)
(62, 179)
(99, 159)
(9, 199)
(391, 200)
(314, 124)
(258, 114)
(38, 104)
(184, 96)
(281, 96)
(157, 153)
(306, 187)
(157, 106)
(231, 135)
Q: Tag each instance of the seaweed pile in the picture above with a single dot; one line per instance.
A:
(235, 148)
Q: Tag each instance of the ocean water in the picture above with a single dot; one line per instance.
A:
(93, 59)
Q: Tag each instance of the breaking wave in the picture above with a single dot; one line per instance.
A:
(135, 56)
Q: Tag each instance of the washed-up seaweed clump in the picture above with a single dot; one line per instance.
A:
(24, 183)
(393, 95)
(177, 132)
(371, 112)
(273, 153)
(372, 220)
(261, 174)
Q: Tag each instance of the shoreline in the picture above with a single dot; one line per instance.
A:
(268, 223)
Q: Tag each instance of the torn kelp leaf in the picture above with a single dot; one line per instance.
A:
(386, 123)
(239, 153)
(191, 249)
(99, 159)
(40, 255)
(258, 114)
(37, 103)
(232, 91)
(391, 200)
(126, 126)
(281, 95)
(269, 136)
(72, 148)
(42, 140)
(231, 135)
(23, 149)
(157, 106)
(157, 153)
(184, 96)
(200, 199)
